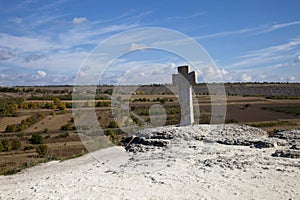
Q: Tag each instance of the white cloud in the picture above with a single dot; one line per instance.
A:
(79, 20)
(254, 30)
(208, 73)
(292, 78)
(26, 43)
(297, 59)
(138, 72)
(41, 73)
(148, 74)
(60, 52)
(226, 33)
(135, 46)
(279, 65)
(279, 26)
(197, 14)
(267, 55)
(223, 72)
(246, 77)
(8, 78)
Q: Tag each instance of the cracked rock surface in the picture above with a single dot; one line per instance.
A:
(192, 162)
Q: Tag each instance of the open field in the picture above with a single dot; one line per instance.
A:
(4, 121)
(50, 122)
(52, 119)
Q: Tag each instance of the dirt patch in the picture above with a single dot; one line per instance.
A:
(4, 121)
(255, 113)
(50, 122)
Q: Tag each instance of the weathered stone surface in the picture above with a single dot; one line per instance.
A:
(229, 134)
(289, 135)
(287, 153)
(227, 163)
(245, 142)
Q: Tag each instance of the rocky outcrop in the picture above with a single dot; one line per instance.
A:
(287, 153)
(229, 134)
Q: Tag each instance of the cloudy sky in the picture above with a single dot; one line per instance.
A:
(46, 42)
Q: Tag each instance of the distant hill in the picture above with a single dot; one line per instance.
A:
(240, 89)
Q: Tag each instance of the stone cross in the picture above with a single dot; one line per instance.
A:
(184, 81)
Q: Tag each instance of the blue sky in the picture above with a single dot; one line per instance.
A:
(45, 42)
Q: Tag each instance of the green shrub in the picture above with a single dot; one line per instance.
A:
(61, 106)
(67, 127)
(6, 145)
(113, 124)
(15, 144)
(42, 150)
(112, 135)
(270, 124)
(36, 139)
(136, 121)
(63, 135)
(25, 123)
(230, 121)
(56, 101)
(9, 105)
(28, 148)
(11, 128)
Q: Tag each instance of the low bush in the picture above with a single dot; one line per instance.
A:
(6, 145)
(67, 127)
(112, 135)
(42, 150)
(15, 144)
(25, 123)
(28, 148)
(63, 135)
(113, 124)
(36, 139)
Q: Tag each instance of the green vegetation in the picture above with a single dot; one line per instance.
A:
(270, 124)
(51, 97)
(15, 144)
(68, 127)
(158, 99)
(231, 121)
(141, 100)
(112, 134)
(63, 135)
(25, 123)
(36, 139)
(26, 148)
(113, 124)
(283, 97)
(246, 106)
(42, 150)
(8, 145)
(136, 120)
(8, 106)
(103, 104)
(293, 110)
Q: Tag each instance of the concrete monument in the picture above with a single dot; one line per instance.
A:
(184, 81)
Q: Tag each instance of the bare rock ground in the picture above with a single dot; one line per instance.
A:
(193, 162)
